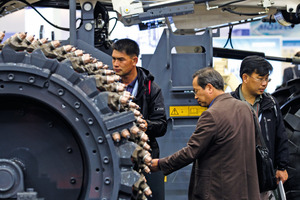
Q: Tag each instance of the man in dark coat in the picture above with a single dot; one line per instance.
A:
(148, 96)
(222, 148)
(255, 72)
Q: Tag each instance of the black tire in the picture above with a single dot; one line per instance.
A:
(289, 100)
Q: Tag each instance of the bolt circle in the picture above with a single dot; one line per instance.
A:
(46, 84)
(90, 121)
(72, 180)
(100, 140)
(69, 150)
(11, 77)
(31, 79)
(107, 181)
(88, 26)
(105, 160)
(77, 105)
(60, 92)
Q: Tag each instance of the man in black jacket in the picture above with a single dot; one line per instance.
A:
(148, 96)
(254, 72)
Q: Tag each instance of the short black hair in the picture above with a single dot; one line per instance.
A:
(255, 64)
(209, 75)
(128, 46)
(297, 54)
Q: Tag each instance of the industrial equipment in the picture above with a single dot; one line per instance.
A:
(69, 128)
(288, 97)
(68, 131)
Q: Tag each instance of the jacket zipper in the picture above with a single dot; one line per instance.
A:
(266, 127)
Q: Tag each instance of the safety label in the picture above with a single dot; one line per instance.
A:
(185, 111)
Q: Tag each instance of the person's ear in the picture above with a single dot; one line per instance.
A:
(245, 78)
(135, 59)
(209, 87)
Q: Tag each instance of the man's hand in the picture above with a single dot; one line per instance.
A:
(154, 165)
(281, 175)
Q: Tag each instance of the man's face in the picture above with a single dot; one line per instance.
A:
(201, 95)
(123, 64)
(256, 84)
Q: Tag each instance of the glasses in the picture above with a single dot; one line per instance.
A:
(261, 80)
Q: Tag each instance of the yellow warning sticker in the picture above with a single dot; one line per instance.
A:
(186, 111)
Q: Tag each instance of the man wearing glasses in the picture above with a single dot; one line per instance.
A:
(254, 72)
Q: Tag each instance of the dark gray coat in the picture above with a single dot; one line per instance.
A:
(222, 150)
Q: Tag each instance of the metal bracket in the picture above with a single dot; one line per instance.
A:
(158, 13)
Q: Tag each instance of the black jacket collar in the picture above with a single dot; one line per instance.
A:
(266, 103)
